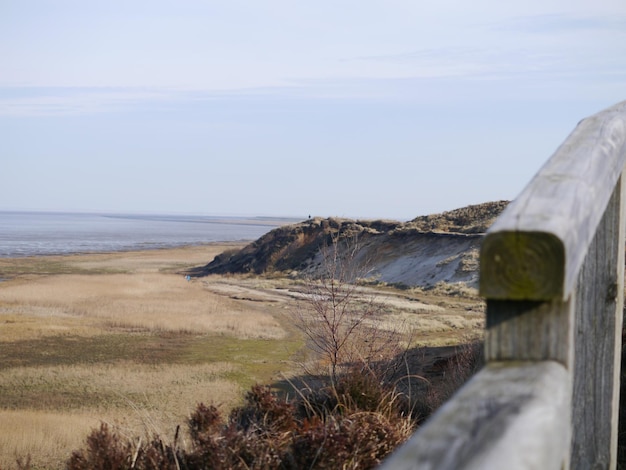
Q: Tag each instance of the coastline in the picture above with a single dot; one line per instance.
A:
(32, 233)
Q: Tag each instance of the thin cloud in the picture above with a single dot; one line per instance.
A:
(42, 102)
(555, 23)
(472, 62)
(529, 61)
(533, 47)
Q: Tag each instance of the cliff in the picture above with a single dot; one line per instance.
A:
(421, 252)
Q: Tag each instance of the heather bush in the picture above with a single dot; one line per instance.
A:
(357, 440)
(354, 423)
(204, 421)
(104, 450)
(263, 412)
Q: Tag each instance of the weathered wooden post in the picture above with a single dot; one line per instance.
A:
(562, 245)
(552, 273)
(598, 342)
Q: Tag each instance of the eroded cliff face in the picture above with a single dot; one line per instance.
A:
(422, 252)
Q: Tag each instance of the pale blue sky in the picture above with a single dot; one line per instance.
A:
(354, 108)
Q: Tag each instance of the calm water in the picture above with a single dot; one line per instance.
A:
(39, 233)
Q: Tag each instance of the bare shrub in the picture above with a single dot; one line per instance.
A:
(336, 315)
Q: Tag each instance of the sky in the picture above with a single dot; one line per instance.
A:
(357, 108)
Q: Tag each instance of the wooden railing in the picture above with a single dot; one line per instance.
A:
(552, 273)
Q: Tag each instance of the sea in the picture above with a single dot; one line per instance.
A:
(56, 233)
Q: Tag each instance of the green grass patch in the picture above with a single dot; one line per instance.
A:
(59, 395)
(70, 349)
(145, 348)
(69, 372)
(255, 360)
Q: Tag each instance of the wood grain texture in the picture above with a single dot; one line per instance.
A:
(509, 416)
(529, 331)
(599, 306)
(536, 248)
(528, 265)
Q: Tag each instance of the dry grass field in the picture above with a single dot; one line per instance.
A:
(124, 338)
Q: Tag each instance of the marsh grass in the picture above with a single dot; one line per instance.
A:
(44, 436)
(124, 339)
(148, 301)
(65, 372)
(145, 384)
(11, 267)
(120, 338)
(114, 386)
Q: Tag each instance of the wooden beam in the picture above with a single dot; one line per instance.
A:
(511, 415)
(598, 335)
(529, 331)
(535, 250)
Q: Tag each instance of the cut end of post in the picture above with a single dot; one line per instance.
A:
(522, 266)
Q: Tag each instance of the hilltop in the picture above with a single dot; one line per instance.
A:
(422, 252)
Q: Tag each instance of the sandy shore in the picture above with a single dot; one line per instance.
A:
(171, 259)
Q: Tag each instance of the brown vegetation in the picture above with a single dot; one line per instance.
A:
(121, 338)
(352, 422)
(124, 339)
(352, 418)
(471, 219)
